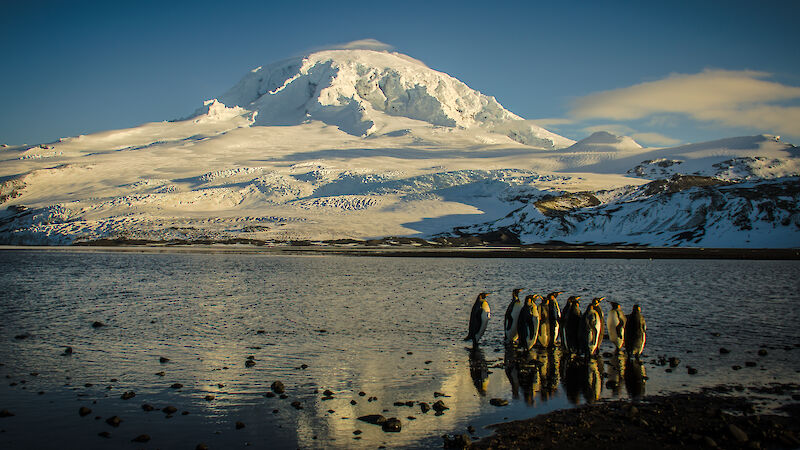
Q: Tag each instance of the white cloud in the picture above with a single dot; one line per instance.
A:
(732, 98)
(362, 44)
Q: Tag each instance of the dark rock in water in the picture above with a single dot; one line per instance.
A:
(104, 434)
(723, 351)
(84, 411)
(424, 407)
(372, 399)
(471, 429)
(67, 351)
(498, 402)
(249, 363)
(6, 413)
(239, 425)
(392, 425)
(327, 398)
(208, 397)
(169, 409)
(184, 413)
(607, 354)
(201, 446)
(691, 370)
(163, 360)
(357, 432)
(749, 364)
(456, 441)
(127, 395)
(762, 352)
(114, 421)
(375, 419)
(439, 406)
(147, 407)
(709, 442)
(160, 374)
(399, 403)
(362, 393)
(411, 418)
(353, 402)
(737, 433)
(278, 388)
(261, 331)
(674, 362)
(97, 324)
(251, 357)
(715, 334)
(283, 396)
(736, 367)
(176, 386)
(141, 438)
(22, 336)
(269, 394)
(439, 394)
(297, 405)
(327, 393)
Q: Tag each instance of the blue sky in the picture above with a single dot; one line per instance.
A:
(662, 72)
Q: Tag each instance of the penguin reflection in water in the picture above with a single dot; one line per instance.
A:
(512, 317)
(478, 370)
(635, 332)
(478, 318)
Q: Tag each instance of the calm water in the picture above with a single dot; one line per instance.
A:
(390, 327)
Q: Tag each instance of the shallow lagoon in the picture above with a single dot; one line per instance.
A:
(389, 327)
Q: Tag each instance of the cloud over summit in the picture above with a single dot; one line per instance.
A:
(731, 98)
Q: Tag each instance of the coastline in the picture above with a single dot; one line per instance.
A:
(724, 416)
(406, 250)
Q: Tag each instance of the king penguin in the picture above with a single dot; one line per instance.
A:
(555, 316)
(591, 330)
(596, 305)
(528, 327)
(616, 326)
(512, 316)
(478, 318)
(571, 325)
(545, 340)
(635, 332)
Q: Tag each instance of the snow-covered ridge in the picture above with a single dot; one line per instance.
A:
(354, 89)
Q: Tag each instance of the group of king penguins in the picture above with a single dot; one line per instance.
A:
(528, 324)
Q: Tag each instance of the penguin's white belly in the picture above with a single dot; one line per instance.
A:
(613, 323)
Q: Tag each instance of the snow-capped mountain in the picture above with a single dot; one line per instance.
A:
(359, 144)
(356, 89)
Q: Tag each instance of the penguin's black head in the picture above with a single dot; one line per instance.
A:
(637, 308)
(614, 305)
(574, 298)
(482, 295)
(553, 295)
(596, 301)
(516, 292)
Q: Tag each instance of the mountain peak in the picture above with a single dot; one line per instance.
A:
(359, 90)
(603, 141)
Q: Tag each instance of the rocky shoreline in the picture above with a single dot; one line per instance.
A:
(719, 417)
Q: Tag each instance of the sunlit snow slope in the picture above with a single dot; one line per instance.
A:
(362, 144)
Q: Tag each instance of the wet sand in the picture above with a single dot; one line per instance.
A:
(719, 417)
